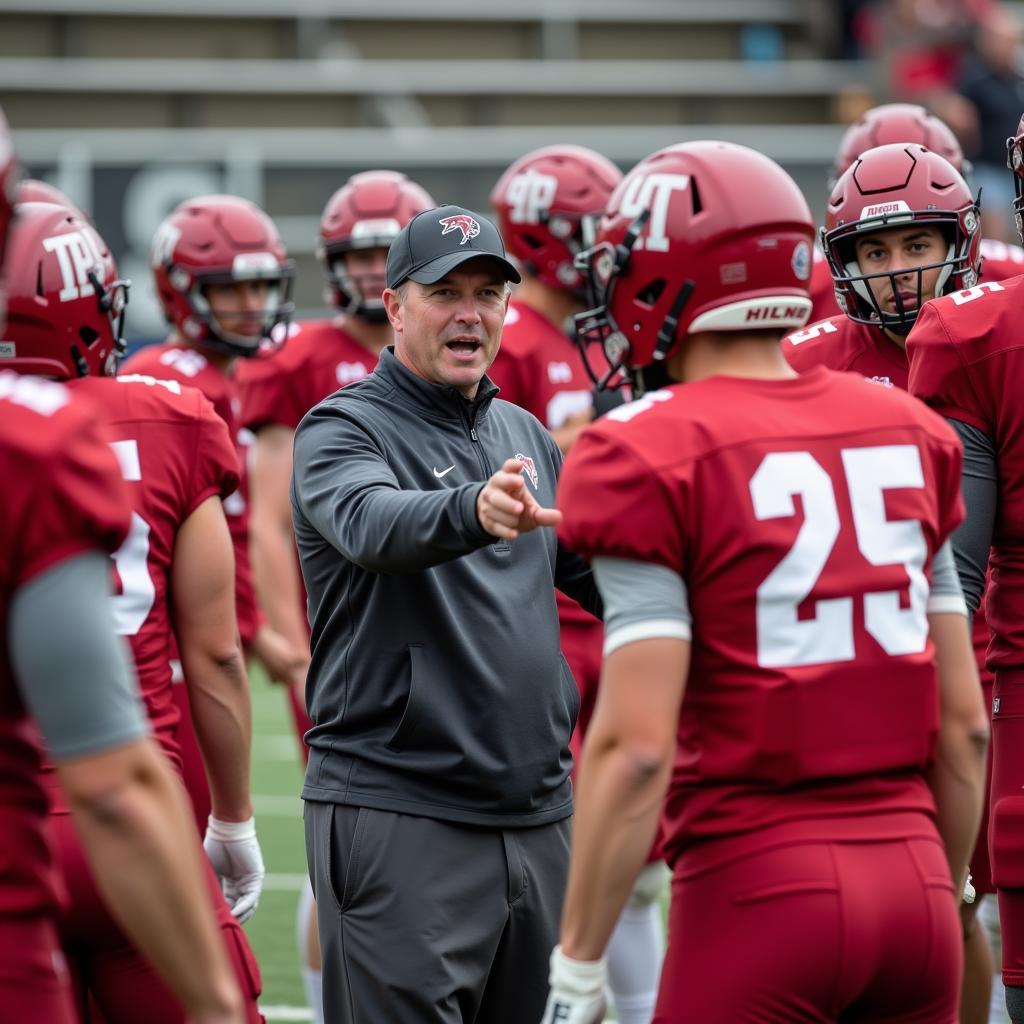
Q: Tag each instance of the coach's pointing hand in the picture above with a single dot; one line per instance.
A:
(506, 508)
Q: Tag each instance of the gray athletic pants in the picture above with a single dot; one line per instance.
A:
(430, 922)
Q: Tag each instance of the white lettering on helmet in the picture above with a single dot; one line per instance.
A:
(529, 195)
(77, 252)
(652, 192)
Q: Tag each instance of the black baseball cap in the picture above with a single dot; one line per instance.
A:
(436, 241)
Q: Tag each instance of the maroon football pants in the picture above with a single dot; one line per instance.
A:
(34, 980)
(108, 968)
(815, 932)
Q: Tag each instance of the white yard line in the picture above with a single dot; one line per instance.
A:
(286, 1012)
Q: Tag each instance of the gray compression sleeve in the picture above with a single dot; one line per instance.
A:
(73, 671)
(945, 594)
(980, 488)
(641, 601)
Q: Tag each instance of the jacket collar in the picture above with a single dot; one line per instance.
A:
(437, 399)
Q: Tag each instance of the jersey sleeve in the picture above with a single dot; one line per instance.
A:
(939, 374)
(215, 469)
(81, 502)
(615, 505)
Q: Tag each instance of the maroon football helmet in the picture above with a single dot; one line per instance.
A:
(367, 212)
(547, 204)
(221, 239)
(65, 302)
(32, 190)
(898, 122)
(702, 236)
(890, 187)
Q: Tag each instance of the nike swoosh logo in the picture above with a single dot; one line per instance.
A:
(443, 472)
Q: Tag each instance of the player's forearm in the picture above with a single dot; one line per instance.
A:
(957, 778)
(153, 882)
(957, 782)
(222, 716)
(618, 803)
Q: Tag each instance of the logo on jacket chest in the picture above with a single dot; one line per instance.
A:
(529, 468)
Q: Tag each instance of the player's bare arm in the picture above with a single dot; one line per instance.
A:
(204, 599)
(273, 544)
(957, 778)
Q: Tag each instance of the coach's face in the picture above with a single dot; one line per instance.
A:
(448, 332)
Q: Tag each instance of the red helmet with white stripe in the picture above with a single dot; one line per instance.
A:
(548, 203)
(65, 312)
(367, 212)
(702, 236)
(221, 239)
(890, 187)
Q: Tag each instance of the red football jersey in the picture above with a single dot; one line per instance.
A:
(803, 515)
(186, 365)
(999, 261)
(318, 358)
(174, 452)
(966, 362)
(62, 495)
(841, 344)
(540, 369)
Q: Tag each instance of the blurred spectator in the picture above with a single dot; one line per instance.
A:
(920, 43)
(993, 81)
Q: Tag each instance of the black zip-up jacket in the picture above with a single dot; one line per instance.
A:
(437, 685)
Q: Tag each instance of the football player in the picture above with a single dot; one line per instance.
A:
(903, 227)
(772, 550)
(224, 281)
(906, 123)
(357, 227)
(65, 509)
(175, 570)
(547, 204)
(965, 361)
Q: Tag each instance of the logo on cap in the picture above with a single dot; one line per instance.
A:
(461, 222)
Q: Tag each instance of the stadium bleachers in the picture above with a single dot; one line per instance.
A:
(283, 102)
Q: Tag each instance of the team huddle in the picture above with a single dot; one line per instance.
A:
(756, 622)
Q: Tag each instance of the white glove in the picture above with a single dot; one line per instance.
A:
(234, 852)
(577, 990)
(969, 894)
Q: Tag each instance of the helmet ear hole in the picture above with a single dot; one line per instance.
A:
(649, 295)
(88, 335)
(698, 206)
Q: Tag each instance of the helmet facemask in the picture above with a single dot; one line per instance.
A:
(853, 287)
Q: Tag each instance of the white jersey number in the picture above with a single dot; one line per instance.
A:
(784, 639)
(138, 592)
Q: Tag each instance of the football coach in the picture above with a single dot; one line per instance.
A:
(438, 800)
